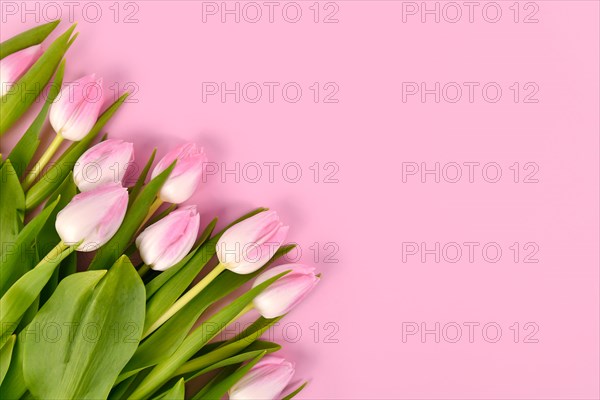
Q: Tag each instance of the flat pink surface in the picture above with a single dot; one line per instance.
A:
(347, 175)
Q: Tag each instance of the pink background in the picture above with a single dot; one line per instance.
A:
(368, 294)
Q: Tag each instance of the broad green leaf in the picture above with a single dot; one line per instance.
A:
(135, 216)
(161, 344)
(219, 389)
(15, 302)
(56, 174)
(17, 260)
(12, 206)
(135, 191)
(5, 355)
(23, 152)
(13, 386)
(295, 392)
(26, 39)
(177, 392)
(48, 237)
(24, 92)
(81, 366)
(161, 373)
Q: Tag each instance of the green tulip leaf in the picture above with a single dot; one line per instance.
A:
(249, 352)
(21, 295)
(106, 311)
(48, 237)
(13, 385)
(139, 184)
(295, 392)
(12, 206)
(177, 392)
(24, 92)
(20, 259)
(23, 152)
(134, 218)
(245, 341)
(5, 356)
(161, 373)
(27, 39)
(56, 174)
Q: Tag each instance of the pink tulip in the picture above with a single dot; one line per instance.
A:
(77, 108)
(103, 163)
(14, 66)
(265, 381)
(248, 245)
(185, 177)
(289, 290)
(93, 217)
(169, 240)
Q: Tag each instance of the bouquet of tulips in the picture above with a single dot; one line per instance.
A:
(106, 327)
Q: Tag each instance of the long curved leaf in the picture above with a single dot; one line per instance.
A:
(26, 39)
(22, 258)
(12, 206)
(23, 152)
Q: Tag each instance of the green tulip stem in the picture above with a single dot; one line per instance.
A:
(186, 298)
(42, 162)
(143, 269)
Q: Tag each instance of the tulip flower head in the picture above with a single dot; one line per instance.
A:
(286, 292)
(248, 245)
(14, 66)
(265, 381)
(93, 217)
(166, 242)
(77, 108)
(185, 177)
(104, 163)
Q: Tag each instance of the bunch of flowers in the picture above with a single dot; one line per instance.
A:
(107, 327)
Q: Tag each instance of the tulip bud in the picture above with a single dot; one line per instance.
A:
(77, 107)
(185, 177)
(265, 381)
(169, 240)
(14, 66)
(248, 245)
(93, 217)
(286, 292)
(104, 163)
